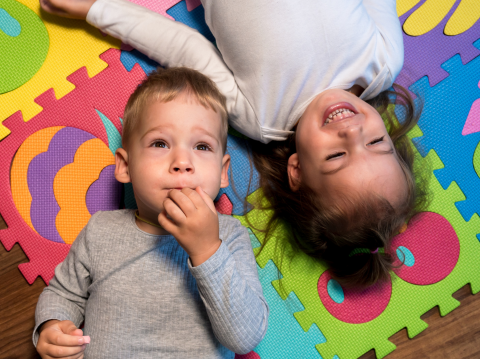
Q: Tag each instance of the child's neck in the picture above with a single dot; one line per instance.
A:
(357, 90)
(149, 228)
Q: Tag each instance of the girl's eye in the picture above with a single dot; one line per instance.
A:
(202, 147)
(377, 140)
(159, 144)
(335, 155)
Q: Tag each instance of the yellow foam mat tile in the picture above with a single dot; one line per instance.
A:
(73, 44)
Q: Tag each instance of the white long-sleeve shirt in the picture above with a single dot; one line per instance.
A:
(273, 57)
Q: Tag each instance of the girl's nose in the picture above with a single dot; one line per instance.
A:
(351, 132)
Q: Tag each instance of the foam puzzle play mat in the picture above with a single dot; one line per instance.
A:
(63, 87)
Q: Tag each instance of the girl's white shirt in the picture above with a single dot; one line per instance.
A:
(273, 57)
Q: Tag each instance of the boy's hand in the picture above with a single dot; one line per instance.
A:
(194, 222)
(61, 339)
(74, 9)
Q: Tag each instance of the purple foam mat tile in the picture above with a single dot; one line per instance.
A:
(425, 54)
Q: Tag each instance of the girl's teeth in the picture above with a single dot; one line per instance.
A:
(336, 112)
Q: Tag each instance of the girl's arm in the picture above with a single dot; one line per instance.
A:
(172, 43)
(231, 291)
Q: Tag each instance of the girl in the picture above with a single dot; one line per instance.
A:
(300, 73)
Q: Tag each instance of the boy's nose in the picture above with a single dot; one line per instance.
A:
(183, 167)
(182, 164)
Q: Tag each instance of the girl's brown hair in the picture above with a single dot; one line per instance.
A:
(331, 231)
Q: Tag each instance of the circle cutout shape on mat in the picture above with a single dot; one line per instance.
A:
(24, 42)
(405, 255)
(353, 305)
(60, 176)
(434, 246)
(476, 159)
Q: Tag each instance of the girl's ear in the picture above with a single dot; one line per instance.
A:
(121, 166)
(294, 173)
(224, 174)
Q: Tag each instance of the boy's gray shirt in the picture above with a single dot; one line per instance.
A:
(140, 297)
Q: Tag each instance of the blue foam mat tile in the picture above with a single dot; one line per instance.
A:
(445, 110)
(195, 18)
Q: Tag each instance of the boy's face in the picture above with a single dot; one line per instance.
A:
(176, 144)
(342, 143)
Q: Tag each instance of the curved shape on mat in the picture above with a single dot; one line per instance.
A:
(434, 245)
(472, 124)
(104, 194)
(404, 5)
(72, 183)
(476, 160)
(41, 175)
(464, 17)
(353, 305)
(432, 12)
(30, 148)
(24, 42)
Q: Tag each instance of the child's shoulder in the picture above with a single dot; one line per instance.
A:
(106, 220)
(227, 220)
(230, 227)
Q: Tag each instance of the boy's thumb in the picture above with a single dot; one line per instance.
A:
(67, 327)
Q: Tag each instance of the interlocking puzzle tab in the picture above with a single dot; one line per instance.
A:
(285, 338)
(68, 51)
(445, 109)
(425, 54)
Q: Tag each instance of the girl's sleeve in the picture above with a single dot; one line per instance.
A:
(384, 15)
(67, 293)
(174, 44)
(231, 291)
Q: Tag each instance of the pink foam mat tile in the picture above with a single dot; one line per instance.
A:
(107, 92)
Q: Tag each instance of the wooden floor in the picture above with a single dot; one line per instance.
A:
(455, 336)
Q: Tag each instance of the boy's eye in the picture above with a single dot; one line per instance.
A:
(377, 140)
(159, 144)
(335, 155)
(202, 147)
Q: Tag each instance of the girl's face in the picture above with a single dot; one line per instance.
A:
(343, 145)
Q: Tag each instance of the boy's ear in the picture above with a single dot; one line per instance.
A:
(121, 166)
(224, 175)
(294, 172)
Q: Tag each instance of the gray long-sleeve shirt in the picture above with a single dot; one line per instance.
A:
(273, 57)
(140, 297)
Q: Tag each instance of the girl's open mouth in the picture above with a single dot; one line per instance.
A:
(338, 112)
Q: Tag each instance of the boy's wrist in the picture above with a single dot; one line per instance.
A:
(47, 324)
(200, 258)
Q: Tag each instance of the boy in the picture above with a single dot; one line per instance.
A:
(173, 279)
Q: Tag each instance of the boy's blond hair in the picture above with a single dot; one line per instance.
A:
(165, 85)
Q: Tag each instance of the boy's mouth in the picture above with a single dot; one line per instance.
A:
(179, 188)
(338, 112)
